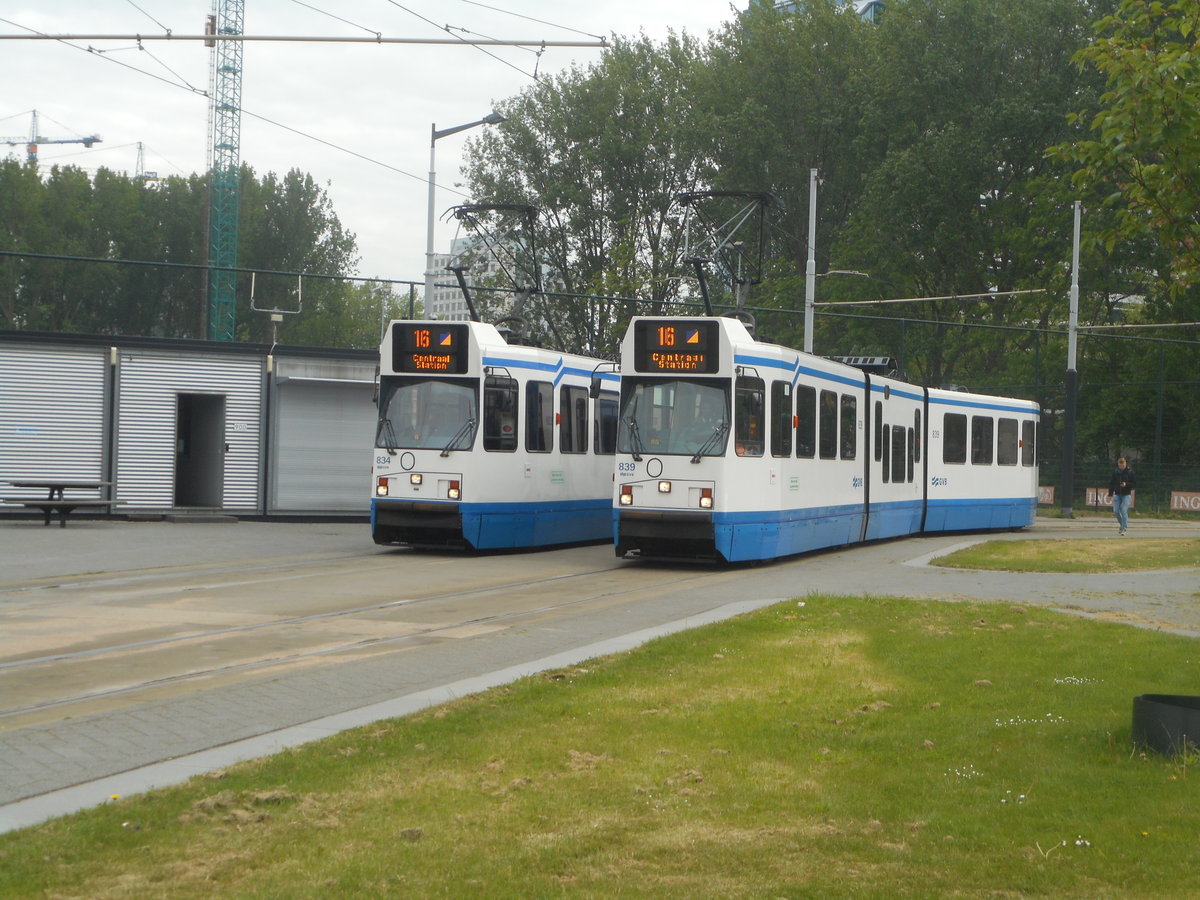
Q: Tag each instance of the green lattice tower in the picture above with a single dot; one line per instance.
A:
(225, 127)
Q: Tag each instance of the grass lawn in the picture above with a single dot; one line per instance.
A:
(1106, 555)
(831, 747)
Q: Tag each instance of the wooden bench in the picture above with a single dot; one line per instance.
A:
(60, 507)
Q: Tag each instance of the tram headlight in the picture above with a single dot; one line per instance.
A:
(381, 486)
(415, 478)
(626, 495)
(454, 493)
(706, 498)
(664, 487)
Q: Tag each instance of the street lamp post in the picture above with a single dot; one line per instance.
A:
(810, 272)
(490, 119)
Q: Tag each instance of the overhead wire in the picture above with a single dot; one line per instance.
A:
(184, 85)
(447, 30)
(337, 18)
(507, 12)
(148, 16)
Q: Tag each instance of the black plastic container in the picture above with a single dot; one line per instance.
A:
(1168, 723)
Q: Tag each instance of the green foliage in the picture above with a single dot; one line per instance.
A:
(287, 224)
(602, 152)
(1145, 143)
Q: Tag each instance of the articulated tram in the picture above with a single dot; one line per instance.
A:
(484, 444)
(733, 449)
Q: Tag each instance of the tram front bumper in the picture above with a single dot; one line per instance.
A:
(419, 523)
(672, 533)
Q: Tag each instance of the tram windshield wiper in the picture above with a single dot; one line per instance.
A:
(388, 434)
(468, 428)
(635, 439)
(713, 440)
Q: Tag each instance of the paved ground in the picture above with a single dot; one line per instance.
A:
(54, 769)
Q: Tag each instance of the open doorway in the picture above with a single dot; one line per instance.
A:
(199, 450)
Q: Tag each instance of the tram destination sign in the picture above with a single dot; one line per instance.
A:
(676, 345)
(425, 348)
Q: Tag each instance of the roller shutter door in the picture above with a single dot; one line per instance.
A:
(51, 413)
(324, 432)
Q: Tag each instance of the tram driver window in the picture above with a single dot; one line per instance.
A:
(954, 438)
(748, 420)
(574, 419)
(605, 425)
(899, 453)
(849, 426)
(539, 417)
(981, 440)
(781, 419)
(1006, 442)
(828, 418)
(806, 421)
(500, 413)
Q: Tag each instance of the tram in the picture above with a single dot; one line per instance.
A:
(483, 444)
(736, 450)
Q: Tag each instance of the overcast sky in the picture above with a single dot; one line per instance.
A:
(363, 111)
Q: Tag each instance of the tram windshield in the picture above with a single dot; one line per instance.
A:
(687, 417)
(428, 414)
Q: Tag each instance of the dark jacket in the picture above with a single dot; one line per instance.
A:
(1122, 482)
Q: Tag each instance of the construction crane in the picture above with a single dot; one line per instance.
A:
(224, 166)
(31, 142)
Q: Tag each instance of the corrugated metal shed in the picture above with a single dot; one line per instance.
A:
(247, 429)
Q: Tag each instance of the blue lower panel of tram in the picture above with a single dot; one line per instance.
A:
(766, 534)
(490, 526)
(495, 526)
(980, 514)
(896, 519)
(735, 537)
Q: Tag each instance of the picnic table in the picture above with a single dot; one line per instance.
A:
(56, 501)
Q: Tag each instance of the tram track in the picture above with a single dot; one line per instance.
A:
(122, 672)
(283, 622)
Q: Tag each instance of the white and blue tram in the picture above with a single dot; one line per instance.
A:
(488, 445)
(737, 450)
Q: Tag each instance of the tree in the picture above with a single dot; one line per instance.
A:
(602, 152)
(1146, 142)
(959, 196)
(119, 255)
(288, 225)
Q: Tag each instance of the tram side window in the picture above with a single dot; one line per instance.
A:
(878, 430)
(748, 417)
(573, 426)
(981, 440)
(500, 413)
(1028, 443)
(885, 446)
(539, 417)
(954, 438)
(605, 423)
(806, 421)
(912, 451)
(781, 419)
(828, 418)
(916, 438)
(899, 453)
(1006, 442)
(849, 426)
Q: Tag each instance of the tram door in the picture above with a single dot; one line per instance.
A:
(199, 450)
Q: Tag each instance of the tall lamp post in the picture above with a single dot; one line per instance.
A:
(490, 119)
(810, 272)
